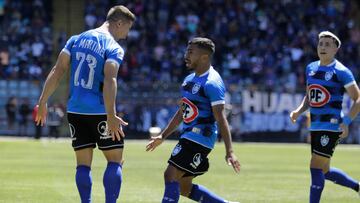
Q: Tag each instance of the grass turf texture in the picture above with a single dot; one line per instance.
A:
(43, 171)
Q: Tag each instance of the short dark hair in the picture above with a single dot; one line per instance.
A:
(120, 12)
(203, 43)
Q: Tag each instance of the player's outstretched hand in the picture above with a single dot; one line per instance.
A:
(154, 142)
(293, 116)
(345, 130)
(41, 113)
(232, 160)
(114, 124)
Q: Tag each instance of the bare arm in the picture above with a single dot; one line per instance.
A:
(110, 88)
(354, 94)
(219, 114)
(109, 92)
(173, 124)
(170, 128)
(51, 83)
(304, 105)
(54, 77)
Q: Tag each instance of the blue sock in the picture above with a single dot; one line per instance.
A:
(112, 181)
(200, 194)
(317, 184)
(172, 192)
(84, 182)
(340, 177)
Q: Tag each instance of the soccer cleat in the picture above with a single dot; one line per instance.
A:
(230, 202)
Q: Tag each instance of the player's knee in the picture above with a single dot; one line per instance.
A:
(168, 176)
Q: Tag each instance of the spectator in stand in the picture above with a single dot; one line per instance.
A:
(54, 120)
(11, 108)
(24, 112)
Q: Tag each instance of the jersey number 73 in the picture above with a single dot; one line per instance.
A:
(91, 64)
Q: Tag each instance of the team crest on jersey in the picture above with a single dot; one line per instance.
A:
(196, 161)
(329, 75)
(196, 88)
(189, 109)
(318, 95)
(176, 150)
(324, 140)
(103, 130)
(72, 131)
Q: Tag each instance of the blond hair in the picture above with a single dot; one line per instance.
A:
(120, 12)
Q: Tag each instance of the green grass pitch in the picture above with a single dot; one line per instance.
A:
(43, 172)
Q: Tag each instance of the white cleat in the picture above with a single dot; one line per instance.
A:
(230, 202)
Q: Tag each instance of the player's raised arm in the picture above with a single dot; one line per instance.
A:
(219, 114)
(51, 83)
(304, 105)
(110, 88)
(170, 128)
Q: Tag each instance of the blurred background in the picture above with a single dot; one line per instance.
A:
(262, 49)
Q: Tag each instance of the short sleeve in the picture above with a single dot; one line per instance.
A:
(69, 44)
(215, 90)
(346, 77)
(307, 71)
(115, 54)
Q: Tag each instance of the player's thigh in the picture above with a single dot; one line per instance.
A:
(80, 130)
(113, 155)
(323, 143)
(84, 156)
(319, 162)
(103, 139)
(190, 157)
(172, 173)
(186, 185)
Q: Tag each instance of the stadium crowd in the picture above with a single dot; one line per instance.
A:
(25, 39)
(258, 43)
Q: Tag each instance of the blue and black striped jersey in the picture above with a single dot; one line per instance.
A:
(199, 94)
(325, 88)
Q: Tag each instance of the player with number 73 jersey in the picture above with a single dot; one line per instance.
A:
(89, 51)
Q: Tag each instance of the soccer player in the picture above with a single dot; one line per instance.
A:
(202, 105)
(327, 80)
(93, 58)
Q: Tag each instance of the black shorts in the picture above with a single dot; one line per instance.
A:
(88, 130)
(323, 143)
(190, 157)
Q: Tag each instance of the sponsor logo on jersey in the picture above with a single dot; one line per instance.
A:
(313, 71)
(190, 110)
(318, 95)
(324, 140)
(103, 130)
(196, 161)
(176, 150)
(334, 121)
(329, 75)
(72, 131)
(196, 88)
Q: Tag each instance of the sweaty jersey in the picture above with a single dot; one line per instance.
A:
(325, 88)
(199, 94)
(89, 51)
